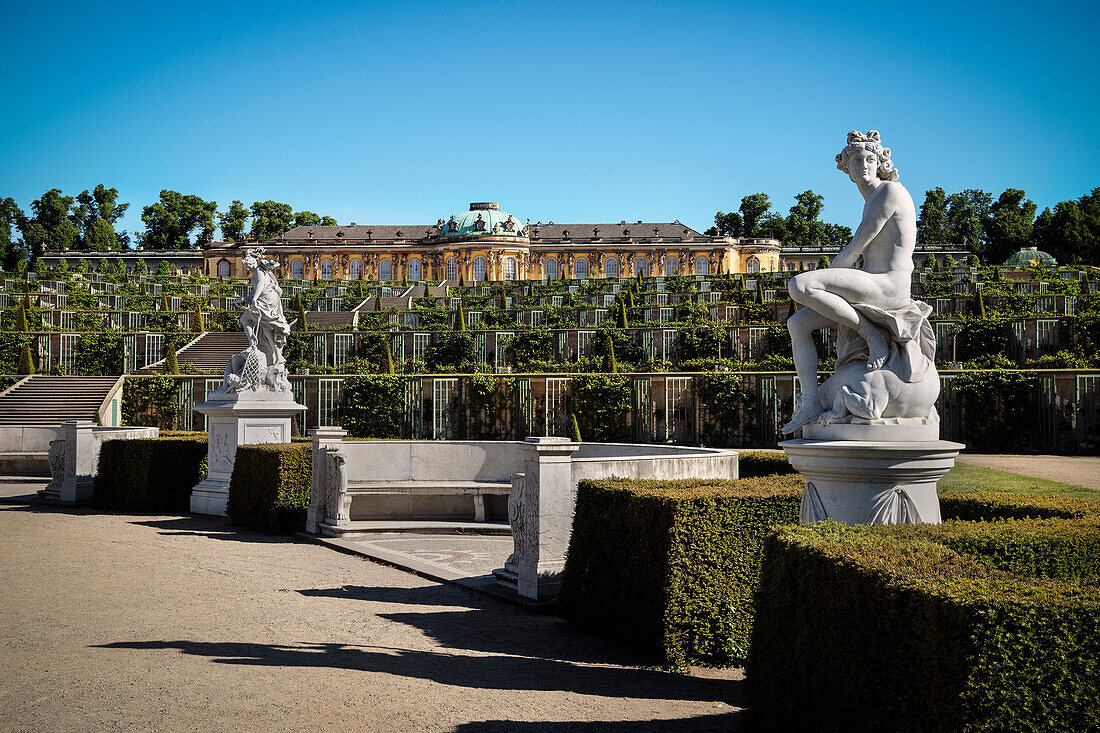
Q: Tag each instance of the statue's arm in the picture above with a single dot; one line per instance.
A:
(874, 219)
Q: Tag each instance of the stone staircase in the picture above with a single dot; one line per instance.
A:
(327, 320)
(45, 400)
(209, 351)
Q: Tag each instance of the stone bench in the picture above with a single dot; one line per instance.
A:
(362, 481)
(476, 489)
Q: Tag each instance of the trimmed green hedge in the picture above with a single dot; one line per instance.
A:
(149, 474)
(269, 490)
(987, 506)
(670, 567)
(763, 463)
(964, 626)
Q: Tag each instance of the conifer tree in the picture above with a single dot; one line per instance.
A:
(386, 367)
(171, 363)
(303, 324)
(609, 364)
(21, 319)
(574, 429)
(26, 361)
(623, 321)
(460, 318)
(981, 305)
(196, 319)
(163, 303)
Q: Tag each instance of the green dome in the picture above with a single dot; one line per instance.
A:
(483, 218)
(1030, 257)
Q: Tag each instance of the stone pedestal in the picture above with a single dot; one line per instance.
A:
(324, 437)
(871, 482)
(80, 459)
(238, 419)
(540, 511)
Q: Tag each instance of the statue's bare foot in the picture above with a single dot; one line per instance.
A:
(808, 410)
(877, 348)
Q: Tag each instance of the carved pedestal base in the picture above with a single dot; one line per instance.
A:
(239, 419)
(864, 482)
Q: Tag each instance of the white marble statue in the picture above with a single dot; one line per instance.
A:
(885, 371)
(261, 367)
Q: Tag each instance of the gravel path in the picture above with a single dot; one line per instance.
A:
(118, 622)
(1076, 470)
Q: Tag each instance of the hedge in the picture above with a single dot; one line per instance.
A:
(669, 567)
(149, 474)
(269, 490)
(763, 463)
(964, 626)
(988, 506)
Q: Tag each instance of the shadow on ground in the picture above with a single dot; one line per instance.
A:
(724, 722)
(494, 672)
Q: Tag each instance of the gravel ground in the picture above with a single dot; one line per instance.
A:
(119, 622)
(1076, 470)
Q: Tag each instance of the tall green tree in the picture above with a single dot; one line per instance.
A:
(53, 224)
(754, 207)
(170, 222)
(10, 250)
(1067, 236)
(725, 225)
(233, 222)
(967, 212)
(932, 222)
(100, 209)
(1009, 224)
(803, 227)
(269, 219)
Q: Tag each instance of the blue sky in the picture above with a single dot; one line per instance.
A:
(395, 113)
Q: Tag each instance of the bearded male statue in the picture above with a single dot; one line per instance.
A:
(885, 370)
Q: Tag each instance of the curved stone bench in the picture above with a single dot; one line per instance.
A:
(531, 484)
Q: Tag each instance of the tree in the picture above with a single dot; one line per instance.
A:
(836, 236)
(233, 221)
(932, 222)
(303, 324)
(99, 205)
(460, 318)
(26, 360)
(20, 319)
(948, 261)
(170, 221)
(164, 270)
(100, 235)
(609, 364)
(386, 365)
(171, 363)
(725, 225)
(309, 219)
(140, 267)
(1009, 225)
(772, 226)
(803, 227)
(574, 429)
(823, 262)
(10, 252)
(269, 219)
(52, 226)
(967, 212)
(753, 208)
(1066, 237)
(81, 265)
(623, 321)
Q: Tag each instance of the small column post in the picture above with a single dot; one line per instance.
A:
(323, 437)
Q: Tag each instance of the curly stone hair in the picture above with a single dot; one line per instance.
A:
(871, 141)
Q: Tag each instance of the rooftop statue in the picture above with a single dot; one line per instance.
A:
(885, 370)
(261, 367)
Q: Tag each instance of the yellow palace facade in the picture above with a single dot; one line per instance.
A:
(487, 244)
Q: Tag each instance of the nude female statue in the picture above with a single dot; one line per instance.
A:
(874, 302)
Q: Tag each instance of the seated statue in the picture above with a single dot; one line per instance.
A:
(885, 366)
(261, 367)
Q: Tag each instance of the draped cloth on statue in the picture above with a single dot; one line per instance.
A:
(265, 313)
(907, 330)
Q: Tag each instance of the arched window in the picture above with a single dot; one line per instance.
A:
(611, 267)
(385, 270)
(452, 269)
(640, 267)
(355, 269)
(479, 269)
(510, 268)
(223, 268)
(753, 265)
(702, 266)
(672, 267)
(326, 269)
(551, 269)
(414, 270)
(296, 268)
(580, 270)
